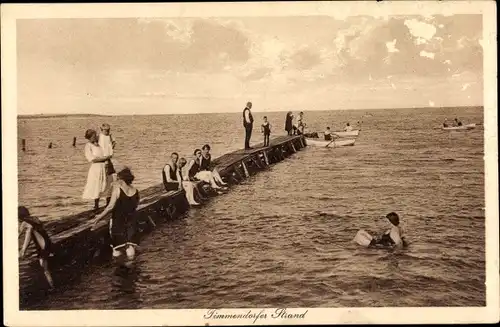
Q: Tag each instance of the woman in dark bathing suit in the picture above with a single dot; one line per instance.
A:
(123, 223)
(35, 232)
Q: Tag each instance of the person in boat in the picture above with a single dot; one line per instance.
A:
(169, 174)
(348, 128)
(458, 123)
(206, 164)
(196, 174)
(36, 233)
(98, 184)
(393, 237)
(187, 185)
(123, 208)
(300, 124)
(266, 130)
(107, 144)
(328, 134)
(289, 123)
(445, 123)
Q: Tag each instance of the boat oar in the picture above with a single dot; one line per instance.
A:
(326, 146)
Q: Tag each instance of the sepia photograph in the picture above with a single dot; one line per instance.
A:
(254, 163)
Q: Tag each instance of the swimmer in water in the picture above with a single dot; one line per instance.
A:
(393, 237)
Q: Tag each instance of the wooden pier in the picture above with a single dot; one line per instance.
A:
(76, 246)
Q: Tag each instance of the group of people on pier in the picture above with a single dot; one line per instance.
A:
(178, 174)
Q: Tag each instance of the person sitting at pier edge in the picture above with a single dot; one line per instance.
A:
(36, 232)
(194, 172)
(169, 174)
(348, 128)
(206, 162)
(300, 124)
(248, 124)
(97, 182)
(289, 123)
(266, 130)
(187, 185)
(107, 144)
(123, 208)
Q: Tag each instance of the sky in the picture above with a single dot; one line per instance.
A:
(125, 66)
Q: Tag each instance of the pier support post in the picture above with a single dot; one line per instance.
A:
(23, 146)
(50, 145)
(245, 169)
(74, 141)
(266, 158)
(293, 147)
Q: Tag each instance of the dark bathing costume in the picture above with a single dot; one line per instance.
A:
(123, 221)
(43, 250)
(173, 176)
(385, 240)
(267, 129)
(205, 163)
(194, 170)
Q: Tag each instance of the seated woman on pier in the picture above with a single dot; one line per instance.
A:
(187, 185)
(169, 174)
(36, 232)
(206, 164)
(195, 173)
(123, 206)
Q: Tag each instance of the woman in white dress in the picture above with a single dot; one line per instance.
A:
(97, 182)
(107, 145)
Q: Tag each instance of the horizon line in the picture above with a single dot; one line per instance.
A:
(230, 112)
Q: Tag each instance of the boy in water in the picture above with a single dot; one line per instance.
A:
(392, 237)
(266, 130)
(35, 232)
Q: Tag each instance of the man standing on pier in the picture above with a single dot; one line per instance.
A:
(248, 124)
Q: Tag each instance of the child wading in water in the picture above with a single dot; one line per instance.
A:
(266, 130)
(35, 232)
(393, 237)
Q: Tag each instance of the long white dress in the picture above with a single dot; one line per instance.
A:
(97, 183)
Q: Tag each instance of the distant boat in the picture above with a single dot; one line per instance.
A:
(459, 128)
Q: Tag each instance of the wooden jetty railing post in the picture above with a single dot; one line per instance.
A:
(266, 158)
(245, 169)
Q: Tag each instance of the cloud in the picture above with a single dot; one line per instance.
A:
(426, 54)
(391, 46)
(422, 32)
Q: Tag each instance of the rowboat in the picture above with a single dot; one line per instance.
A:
(348, 133)
(460, 128)
(330, 144)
